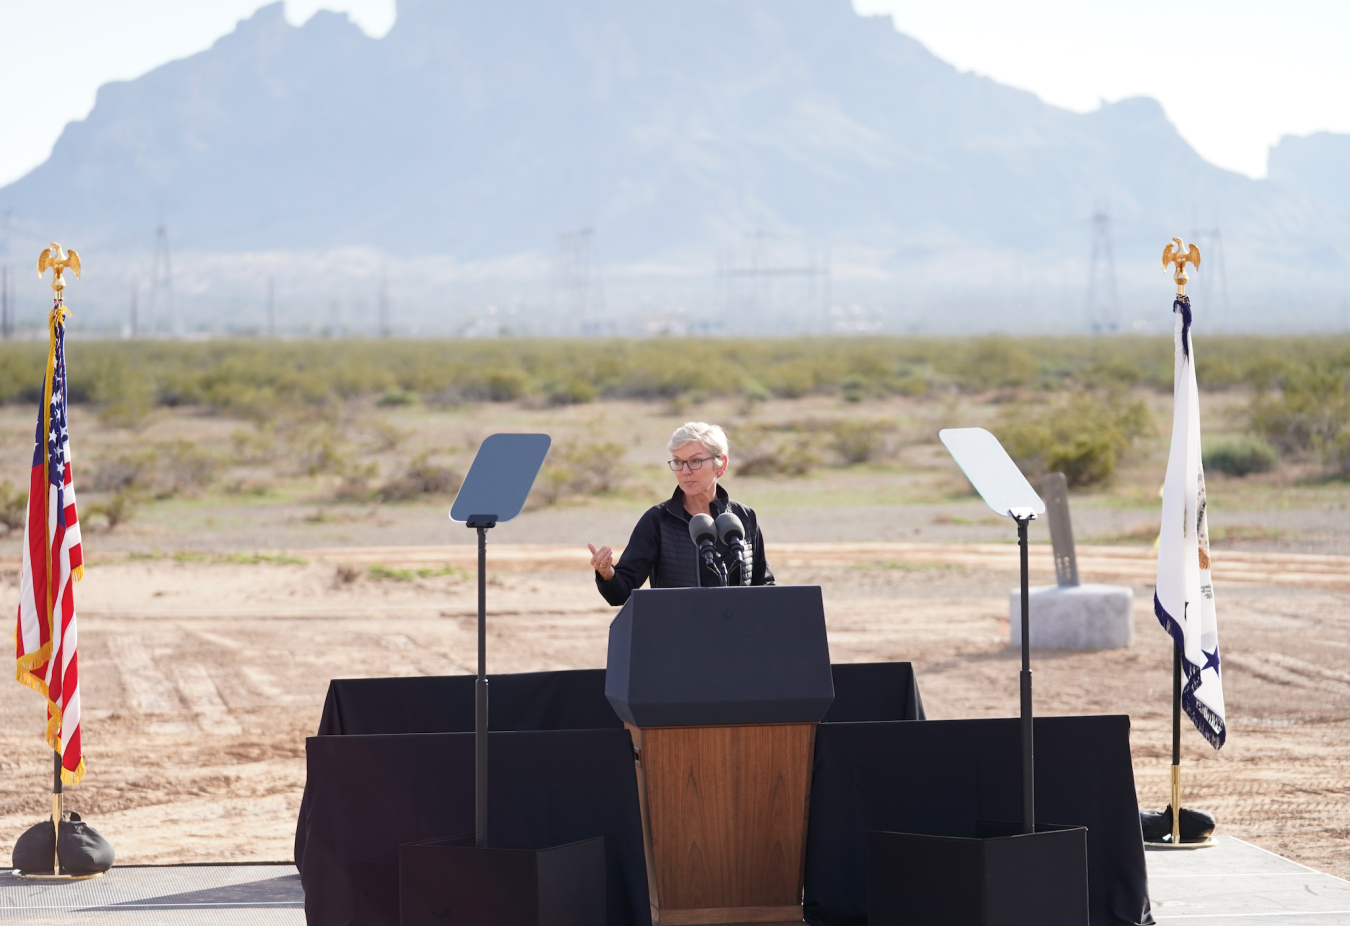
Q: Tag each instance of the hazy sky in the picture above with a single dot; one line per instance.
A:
(1234, 76)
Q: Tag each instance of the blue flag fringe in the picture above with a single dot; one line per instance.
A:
(1210, 725)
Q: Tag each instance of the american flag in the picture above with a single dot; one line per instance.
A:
(46, 638)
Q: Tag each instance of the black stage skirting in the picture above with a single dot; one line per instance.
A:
(385, 772)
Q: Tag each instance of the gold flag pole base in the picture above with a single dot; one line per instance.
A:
(1176, 804)
(1176, 842)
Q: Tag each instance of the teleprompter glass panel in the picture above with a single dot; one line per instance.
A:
(992, 472)
(501, 476)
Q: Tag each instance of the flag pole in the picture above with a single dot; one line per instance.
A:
(1181, 278)
(56, 812)
(1176, 743)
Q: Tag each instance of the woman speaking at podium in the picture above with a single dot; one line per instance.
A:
(661, 549)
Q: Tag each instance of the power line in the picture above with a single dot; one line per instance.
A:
(1103, 296)
(745, 279)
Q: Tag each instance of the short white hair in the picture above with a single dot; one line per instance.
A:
(711, 436)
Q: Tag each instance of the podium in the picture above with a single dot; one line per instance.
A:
(721, 690)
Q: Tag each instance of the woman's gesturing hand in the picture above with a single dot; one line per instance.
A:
(602, 561)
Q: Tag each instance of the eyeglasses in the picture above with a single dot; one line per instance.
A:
(678, 465)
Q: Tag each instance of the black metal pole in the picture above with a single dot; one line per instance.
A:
(1028, 753)
(480, 704)
(56, 812)
(1176, 703)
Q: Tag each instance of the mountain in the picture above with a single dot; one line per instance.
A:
(473, 133)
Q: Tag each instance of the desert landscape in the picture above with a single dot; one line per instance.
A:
(238, 562)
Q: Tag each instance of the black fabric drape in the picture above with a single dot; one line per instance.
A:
(570, 700)
(939, 777)
(874, 691)
(556, 781)
(368, 794)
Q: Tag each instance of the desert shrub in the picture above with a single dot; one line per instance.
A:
(395, 397)
(161, 470)
(760, 451)
(501, 384)
(132, 468)
(1241, 456)
(13, 506)
(586, 465)
(184, 467)
(857, 441)
(997, 361)
(115, 510)
(575, 391)
(1310, 414)
(125, 394)
(752, 390)
(1083, 436)
(354, 484)
(265, 381)
(421, 477)
(316, 451)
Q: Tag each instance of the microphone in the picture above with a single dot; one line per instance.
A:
(703, 532)
(731, 532)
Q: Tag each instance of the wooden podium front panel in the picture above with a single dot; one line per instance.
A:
(725, 813)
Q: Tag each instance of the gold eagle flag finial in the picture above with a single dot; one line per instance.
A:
(59, 261)
(1178, 254)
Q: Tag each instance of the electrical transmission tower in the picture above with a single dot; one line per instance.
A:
(384, 302)
(746, 281)
(1214, 268)
(1103, 296)
(6, 318)
(161, 282)
(271, 307)
(133, 321)
(578, 290)
(6, 296)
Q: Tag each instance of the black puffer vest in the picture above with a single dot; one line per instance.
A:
(661, 551)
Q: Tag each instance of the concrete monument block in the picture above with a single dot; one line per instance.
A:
(1087, 617)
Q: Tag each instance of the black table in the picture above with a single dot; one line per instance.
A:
(394, 763)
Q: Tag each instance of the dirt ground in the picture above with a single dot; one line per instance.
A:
(202, 675)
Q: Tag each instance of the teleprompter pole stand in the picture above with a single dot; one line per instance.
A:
(481, 522)
(499, 480)
(1006, 491)
(1028, 753)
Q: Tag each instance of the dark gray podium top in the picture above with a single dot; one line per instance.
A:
(692, 657)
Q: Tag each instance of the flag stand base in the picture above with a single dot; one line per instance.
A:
(95, 874)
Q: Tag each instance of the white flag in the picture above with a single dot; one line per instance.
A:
(1184, 599)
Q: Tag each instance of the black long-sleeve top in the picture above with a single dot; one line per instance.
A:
(660, 550)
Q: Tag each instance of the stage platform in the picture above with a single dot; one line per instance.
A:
(187, 895)
(1235, 883)
(1232, 884)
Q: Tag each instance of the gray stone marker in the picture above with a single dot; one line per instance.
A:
(1069, 615)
